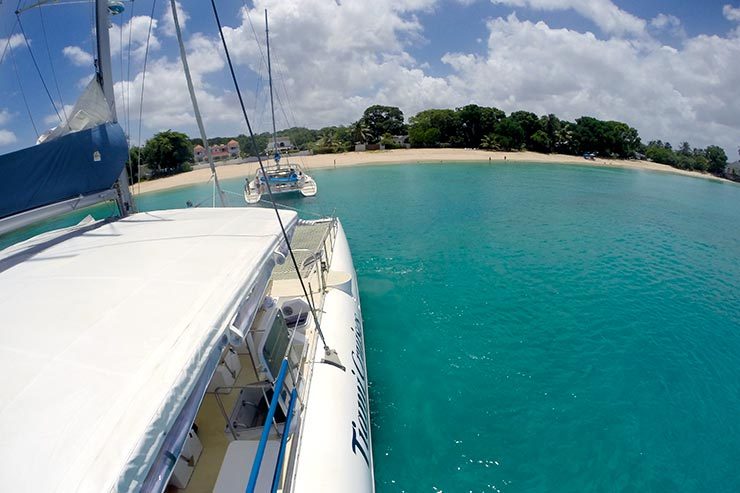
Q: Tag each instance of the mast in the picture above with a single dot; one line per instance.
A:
(105, 76)
(196, 110)
(272, 102)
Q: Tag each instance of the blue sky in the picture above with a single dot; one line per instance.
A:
(669, 68)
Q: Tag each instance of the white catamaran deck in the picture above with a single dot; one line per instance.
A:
(307, 242)
(97, 330)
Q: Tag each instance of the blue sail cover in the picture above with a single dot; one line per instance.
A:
(80, 163)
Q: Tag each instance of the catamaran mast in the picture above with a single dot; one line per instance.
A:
(272, 102)
(196, 110)
(105, 76)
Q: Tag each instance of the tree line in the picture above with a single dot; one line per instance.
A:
(470, 126)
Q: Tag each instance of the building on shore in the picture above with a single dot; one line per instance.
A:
(219, 152)
(283, 145)
(732, 171)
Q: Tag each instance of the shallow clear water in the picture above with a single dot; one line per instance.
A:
(544, 328)
(535, 328)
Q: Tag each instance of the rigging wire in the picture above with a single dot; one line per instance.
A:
(141, 100)
(128, 71)
(281, 76)
(93, 28)
(51, 63)
(294, 122)
(120, 58)
(23, 94)
(41, 76)
(262, 66)
(331, 356)
(196, 109)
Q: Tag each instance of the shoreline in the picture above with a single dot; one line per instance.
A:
(407, 156)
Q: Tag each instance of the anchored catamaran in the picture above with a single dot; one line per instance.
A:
(286, 178)
(204, 349)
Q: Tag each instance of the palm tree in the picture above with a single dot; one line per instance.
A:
(328, 140)
(489, 142)
(564, 137)
(360, 131)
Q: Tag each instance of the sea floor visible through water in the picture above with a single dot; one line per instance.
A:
(539, 328)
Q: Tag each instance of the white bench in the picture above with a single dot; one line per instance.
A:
(234, 474)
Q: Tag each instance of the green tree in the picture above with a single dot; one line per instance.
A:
(423, 136)
(529, 124)
(717, 159)
(551, 126)
(657, 152)
(589, 135)
(621, 140)
(329, 142)
(300, 137)
(685, 149)
(510, 135)
(476, 121)
(388, 142)
(383, 119)
(541, 142)
(132, 165)
(434, 128)
(168, 152)
(565, 138)
(490, 142)
(360, 131)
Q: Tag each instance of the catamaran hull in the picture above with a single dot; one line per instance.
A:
(335, 453)
(308, 190)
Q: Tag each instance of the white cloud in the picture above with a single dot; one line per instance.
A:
(15, 41)
(167, 102)
(604, 13)
(4, 116)
(668, 23)
(690, 93)
(52, 120)
(12, 42)
(137, 28)
(78, 56)
(357, 58)
(731, 13)
(7, 137)
(168, 23)
(337, 59)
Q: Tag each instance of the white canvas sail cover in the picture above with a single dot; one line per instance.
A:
(104, 335)
(90, 110)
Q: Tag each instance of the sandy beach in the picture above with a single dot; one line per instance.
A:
(397, 156)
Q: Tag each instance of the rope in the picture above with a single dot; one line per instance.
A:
(23, 94)
(43, 82)
(141, 101)
(269, 188)
(51, 63)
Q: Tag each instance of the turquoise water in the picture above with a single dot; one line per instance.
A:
(536, 328)
(547, 329)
